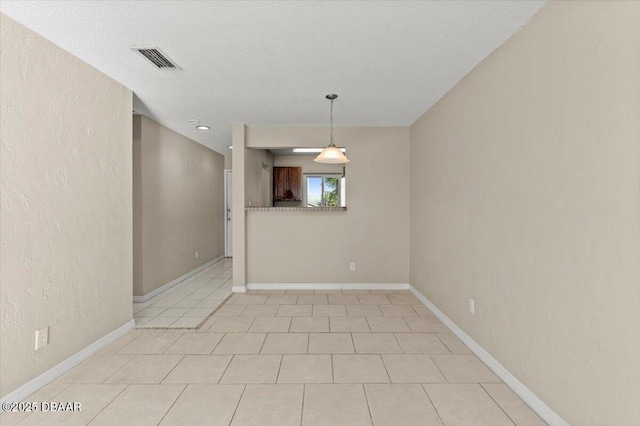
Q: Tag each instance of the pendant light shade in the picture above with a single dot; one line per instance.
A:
(331, 154)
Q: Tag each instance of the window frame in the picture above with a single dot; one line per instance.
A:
(305, 189)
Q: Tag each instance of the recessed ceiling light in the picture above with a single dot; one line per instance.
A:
(203, 127)
(194, 121)
(312, 150)
(230, 147)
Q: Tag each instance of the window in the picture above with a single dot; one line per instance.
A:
(325, 190)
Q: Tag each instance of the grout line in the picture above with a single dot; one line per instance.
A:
(107, 404)
(279, 368)
(250, 324)
(172, 343)
(238, 404)
(364, 390)
(431, 401)
(366, 319)
(121, 367)
(177, 363)
(173, 403)
(443, 342)
(60, 391)
(408, 326)
(226, 368)
(497, 403)
(353, 342)
(438, 367)
(216, 345)
(385, 368)
(263, 341)
(304, 387)
(333, 374)
(399, 345)
(128, 343)
(64, 387)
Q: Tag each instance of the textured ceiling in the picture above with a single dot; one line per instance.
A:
(271, 63)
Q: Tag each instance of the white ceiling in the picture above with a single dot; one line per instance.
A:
(272, 63)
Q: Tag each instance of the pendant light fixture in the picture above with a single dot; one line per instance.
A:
(331, 154)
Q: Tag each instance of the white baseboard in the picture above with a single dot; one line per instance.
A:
(53, 373)
(328, 286)
(167, 286)
(238, 289)
(531, 399)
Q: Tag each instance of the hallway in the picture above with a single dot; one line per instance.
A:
(189, 303)
(289, 358)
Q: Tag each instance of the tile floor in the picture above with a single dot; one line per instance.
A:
(187, 304)
(289, 358)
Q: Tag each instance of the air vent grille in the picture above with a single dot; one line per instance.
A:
(157, 58)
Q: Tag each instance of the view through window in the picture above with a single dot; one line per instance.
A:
(324, 190)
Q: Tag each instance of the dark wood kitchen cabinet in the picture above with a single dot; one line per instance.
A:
(287, 184)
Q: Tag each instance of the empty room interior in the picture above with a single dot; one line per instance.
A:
(320, 212)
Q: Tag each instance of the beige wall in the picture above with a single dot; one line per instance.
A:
(238, 223)
(258, 185)
(66, 204)
(180, 204)
(228, 162)
(302, 247)
(137, 206)
(308, 166)
(525, 196)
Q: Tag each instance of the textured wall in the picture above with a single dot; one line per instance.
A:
(303, 247)
(178, 202)
(65, 257)
(137, 206)
(525, 196)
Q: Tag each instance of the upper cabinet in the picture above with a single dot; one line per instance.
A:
(287, 184)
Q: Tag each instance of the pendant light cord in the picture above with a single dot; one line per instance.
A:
(331, 115)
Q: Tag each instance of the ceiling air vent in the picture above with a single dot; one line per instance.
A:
(157, 58)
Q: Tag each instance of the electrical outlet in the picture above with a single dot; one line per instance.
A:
(196, 255)
(42, 337)
(352, 266)
(472, 307)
